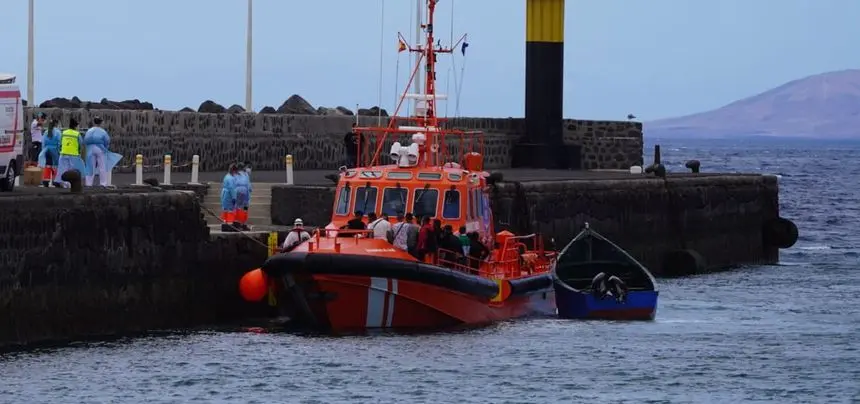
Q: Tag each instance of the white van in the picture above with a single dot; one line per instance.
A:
(11, 132)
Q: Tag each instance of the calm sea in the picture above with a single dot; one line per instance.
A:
(781, 334)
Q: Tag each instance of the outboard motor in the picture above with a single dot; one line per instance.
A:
(618, 288)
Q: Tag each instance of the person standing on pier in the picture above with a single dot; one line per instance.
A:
(99, 157)
(71, 144)
(50, 154)
(228, 200)
(243, 197)
(36, 134)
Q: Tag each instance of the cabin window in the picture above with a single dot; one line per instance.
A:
(394, 201)
(342, 207)
(365, 199)
(479, 203)
(350, 173)
(455, 177)
(371, 174)
(425, 202)
(399, 175)
(451, 205)
(430, 176)
(470, 205)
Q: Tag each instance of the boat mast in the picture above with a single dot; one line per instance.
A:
(428, 117)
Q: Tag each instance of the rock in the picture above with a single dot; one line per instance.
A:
(296, 105)
(59, 102)
(268, 110)
(339, 111)
(235, 109)
(187, 109)
(374, 111)
(345, 111)
(211, 107)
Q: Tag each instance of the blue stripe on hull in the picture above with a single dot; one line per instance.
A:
(640, 305)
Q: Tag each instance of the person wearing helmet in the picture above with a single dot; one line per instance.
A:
(228, 200)
(243, 196)
(99, 158)
(296, 236)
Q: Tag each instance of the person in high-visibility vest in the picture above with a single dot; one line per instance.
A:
(50, 154)
(71, 144)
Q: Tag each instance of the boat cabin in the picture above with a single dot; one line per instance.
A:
(455, 196)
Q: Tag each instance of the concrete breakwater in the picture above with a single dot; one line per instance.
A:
(685, 224)
(115, 262)
(316, 141)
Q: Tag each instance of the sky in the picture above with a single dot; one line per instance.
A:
(654, 59)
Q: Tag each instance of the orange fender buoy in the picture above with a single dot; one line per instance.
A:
(254, 285)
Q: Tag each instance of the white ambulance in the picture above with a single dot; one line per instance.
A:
(11, 132)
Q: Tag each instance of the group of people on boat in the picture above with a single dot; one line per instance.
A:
(236, 197)
(424, 238)
(56, 151)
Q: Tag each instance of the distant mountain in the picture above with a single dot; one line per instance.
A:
(823, 106)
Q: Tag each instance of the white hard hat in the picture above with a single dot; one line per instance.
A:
(298, 222)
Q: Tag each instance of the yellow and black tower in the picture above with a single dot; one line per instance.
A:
(542, 146)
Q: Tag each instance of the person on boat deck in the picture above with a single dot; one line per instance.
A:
(296, 236)
(71, 144)
(477, 250)
(350, 144)
(243, 198)
(412, 230)
(451, 244)
(97, 142)
(427, 242)
(397, 235)
(380, 226)
(50, 154)
(356, 223)
(465, 243)
(228, 199)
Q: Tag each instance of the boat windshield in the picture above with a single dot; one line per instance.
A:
(365, 199)
(425, 202)
(451, 206)
(394, 201)
(343, 202)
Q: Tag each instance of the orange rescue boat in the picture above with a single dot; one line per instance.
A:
(346, 280)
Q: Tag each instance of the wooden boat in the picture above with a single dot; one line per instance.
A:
(346, 280)
(596, 279)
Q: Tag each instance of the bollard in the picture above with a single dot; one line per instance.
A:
(166, 170)
(138, 169)
(195, 169)
(289, 161)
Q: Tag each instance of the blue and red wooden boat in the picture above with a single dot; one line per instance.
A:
(595, 279)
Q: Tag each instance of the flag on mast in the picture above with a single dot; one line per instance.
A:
(401, 46)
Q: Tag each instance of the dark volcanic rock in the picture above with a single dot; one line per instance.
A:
(339, 111)
(374, 111)
(268, 110)
(187, 109)
(296, 105)
(75, 102)
(211, 107)
(64, 103)
(235, 109)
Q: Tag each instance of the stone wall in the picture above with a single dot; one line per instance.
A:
(106, 263)
(719, 216)
(317, 141)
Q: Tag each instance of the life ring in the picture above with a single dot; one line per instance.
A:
(779, 233)
(683, 262)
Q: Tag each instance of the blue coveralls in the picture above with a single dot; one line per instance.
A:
(228, 198)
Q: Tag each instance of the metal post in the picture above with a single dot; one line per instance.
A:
(289, 161)
(138, 169)
(249, 106)
(167, 161)
(195, 169)
(30, 56)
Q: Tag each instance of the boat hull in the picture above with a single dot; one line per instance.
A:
(574, 304)
(343, 292)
